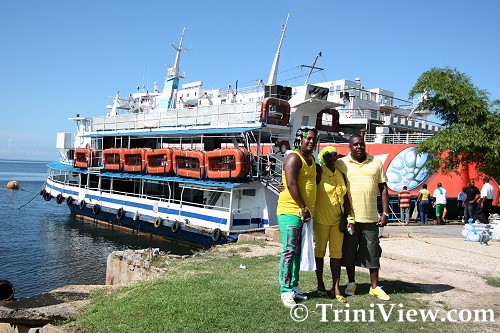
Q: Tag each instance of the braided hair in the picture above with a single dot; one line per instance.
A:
(302, 132)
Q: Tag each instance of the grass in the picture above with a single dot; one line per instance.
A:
(492, 281)
(212, 294)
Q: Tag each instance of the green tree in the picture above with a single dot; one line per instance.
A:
(471, 123)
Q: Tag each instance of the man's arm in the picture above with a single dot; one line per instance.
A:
(384, 194)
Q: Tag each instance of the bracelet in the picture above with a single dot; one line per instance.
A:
(350, 219)
(386, 214)
(303, 210)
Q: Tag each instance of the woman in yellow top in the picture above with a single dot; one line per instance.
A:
(295, 207)
(331, 201)
(423, 203)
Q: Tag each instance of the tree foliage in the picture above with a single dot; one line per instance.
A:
(471, 133)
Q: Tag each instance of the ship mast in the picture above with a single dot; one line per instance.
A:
(274, 69)
(174, 74)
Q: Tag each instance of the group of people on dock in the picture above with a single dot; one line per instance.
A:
(472, 204)
(341, 195)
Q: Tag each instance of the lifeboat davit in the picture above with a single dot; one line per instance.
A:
(134, 159)
(86, 157)
(275, 111)
(159, 161)
(189, 163)
(13, 185)
(228, 163)
(112, 159)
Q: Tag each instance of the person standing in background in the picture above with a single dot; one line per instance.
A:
(404, 204)
(460, 204)
(487, 195)
(423, 204)
(295, 207)
(440, 197)
(472, 197)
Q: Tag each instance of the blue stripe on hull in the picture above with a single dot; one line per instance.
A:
(189, 236)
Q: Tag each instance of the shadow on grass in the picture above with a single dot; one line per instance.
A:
(403, 287)
(392, 287)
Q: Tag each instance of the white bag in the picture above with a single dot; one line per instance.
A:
(414, 215)
(307, 260)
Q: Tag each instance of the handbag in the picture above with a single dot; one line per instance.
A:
(343, 222)
(343, 216)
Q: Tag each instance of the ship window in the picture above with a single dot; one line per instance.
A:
(305, 121)
(249, 192)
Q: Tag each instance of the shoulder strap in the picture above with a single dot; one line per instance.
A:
(345, 181)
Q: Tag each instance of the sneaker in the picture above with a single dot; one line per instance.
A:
(287, 299)
(379, 293)
(350, 289)
(298, 294)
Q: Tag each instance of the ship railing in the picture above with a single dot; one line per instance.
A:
(158, 198)
(271, 175)
(230, 114)
(401, 138)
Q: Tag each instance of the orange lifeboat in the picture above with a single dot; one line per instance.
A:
(275, 111)
(134, 159)
(189, 163)
(228, 163)
(159, 161)
(85, 158)
(113, 159)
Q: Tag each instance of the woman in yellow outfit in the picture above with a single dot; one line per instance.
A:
(295, 207)
(331, 201)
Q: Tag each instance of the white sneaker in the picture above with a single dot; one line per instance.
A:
(350, 289)
(287, 299)
(298, 294)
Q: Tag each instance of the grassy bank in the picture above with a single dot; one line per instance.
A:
(212, 293)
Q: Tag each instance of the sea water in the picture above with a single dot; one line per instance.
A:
(43, 247)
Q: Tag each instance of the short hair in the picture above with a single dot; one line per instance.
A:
(355, 136)
(424, 186)
(405, 187)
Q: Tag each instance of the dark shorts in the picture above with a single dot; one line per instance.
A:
(363, 247)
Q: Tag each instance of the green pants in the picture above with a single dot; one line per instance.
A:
(291, 239)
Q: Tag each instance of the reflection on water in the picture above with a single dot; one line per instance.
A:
(43, 247)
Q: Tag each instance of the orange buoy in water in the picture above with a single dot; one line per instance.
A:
(13, 185)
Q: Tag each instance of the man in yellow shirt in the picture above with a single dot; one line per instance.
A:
(366, 178)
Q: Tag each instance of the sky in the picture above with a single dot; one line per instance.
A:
(63, 58)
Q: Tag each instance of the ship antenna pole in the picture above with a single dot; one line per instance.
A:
(274, 69)
(312, 67)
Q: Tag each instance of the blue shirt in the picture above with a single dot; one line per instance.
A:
(461, 196)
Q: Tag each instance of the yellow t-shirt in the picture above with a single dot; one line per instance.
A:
(307, 187)
(425, 194)
(362, 185)
(329, 197)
